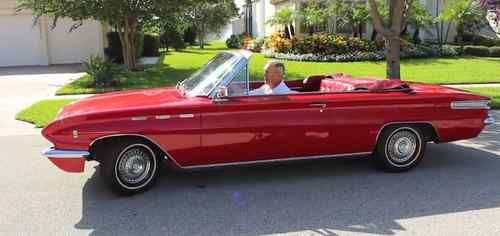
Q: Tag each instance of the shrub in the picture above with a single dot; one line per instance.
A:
(278, 42)
(409, 50)
(319, 44)
(256, 45)
(102, 72)
(477, 39)
(355, 56)
(358, 44)
(451, 51)
(246, 40)
(172, 39)
(151, 46)
(495, 52)
(234, 41)
(480, 51)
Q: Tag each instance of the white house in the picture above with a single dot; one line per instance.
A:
(24, 43)
(261, 11)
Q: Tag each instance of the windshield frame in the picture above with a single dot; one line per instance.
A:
(227, 77)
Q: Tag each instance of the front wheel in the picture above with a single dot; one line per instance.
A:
(129, 166)
(400, 148)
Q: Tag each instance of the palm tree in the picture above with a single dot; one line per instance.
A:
(461, 12)
(419, 17)
(314, 15)
(284, 18)
(356, 16)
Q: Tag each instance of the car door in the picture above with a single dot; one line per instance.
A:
(245, 128)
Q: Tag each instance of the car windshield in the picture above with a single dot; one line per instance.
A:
(202, 82)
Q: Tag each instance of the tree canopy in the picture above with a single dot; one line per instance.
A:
(127, 16)
(210, 16)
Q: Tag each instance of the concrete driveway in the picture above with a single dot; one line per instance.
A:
(22, 86)
(454, 191)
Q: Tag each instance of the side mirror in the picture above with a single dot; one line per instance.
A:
(221, 93)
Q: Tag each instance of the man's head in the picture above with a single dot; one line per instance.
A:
(273, 73)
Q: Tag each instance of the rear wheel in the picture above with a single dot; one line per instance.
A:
(129, 166)
(400, 148)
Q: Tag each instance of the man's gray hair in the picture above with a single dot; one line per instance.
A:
(276, 64)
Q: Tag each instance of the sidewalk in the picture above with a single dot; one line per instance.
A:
(22, 86)
(472, 85)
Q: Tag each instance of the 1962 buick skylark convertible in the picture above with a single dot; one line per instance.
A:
(210, 120)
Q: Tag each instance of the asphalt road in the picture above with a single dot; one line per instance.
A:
(455, 191)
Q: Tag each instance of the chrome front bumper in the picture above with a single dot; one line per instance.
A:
(489, 120)
(67, 160)
(56, 153)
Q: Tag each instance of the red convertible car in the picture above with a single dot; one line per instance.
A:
(209, 120)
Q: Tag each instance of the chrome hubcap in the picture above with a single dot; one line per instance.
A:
(134, 165)
(402, 146)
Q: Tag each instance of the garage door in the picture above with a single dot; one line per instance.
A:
(20, 42)
(75, 46)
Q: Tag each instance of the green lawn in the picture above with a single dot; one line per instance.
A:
(42, 112)
(176, 66)
(492, 92)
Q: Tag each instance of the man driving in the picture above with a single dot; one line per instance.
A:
(273, 80)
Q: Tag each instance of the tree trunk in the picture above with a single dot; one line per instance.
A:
(460, 33)
(393, 47)
(360, 30)
(374, 35)
(201, 37)
(448, 26)
(289, 29)
(391, 34)
(126, 32)
(416, 35)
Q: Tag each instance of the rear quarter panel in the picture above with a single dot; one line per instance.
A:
(453, 124)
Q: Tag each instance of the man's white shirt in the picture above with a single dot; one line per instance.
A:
(266, 90)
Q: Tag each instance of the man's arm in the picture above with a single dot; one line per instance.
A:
(262, 90)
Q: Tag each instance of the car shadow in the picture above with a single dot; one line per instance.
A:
(345, 194)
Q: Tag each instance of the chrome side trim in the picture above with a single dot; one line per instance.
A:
(138, 118)
(168, 156)
(489, 120)
(276, 160)
(470, 104)
(57, 153)
(163, 117)
(405, 122)
(186, 116)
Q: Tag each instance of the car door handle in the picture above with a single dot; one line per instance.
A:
(320, 105)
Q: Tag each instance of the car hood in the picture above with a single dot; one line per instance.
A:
(122, 101)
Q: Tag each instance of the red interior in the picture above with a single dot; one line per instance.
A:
(339, 83)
